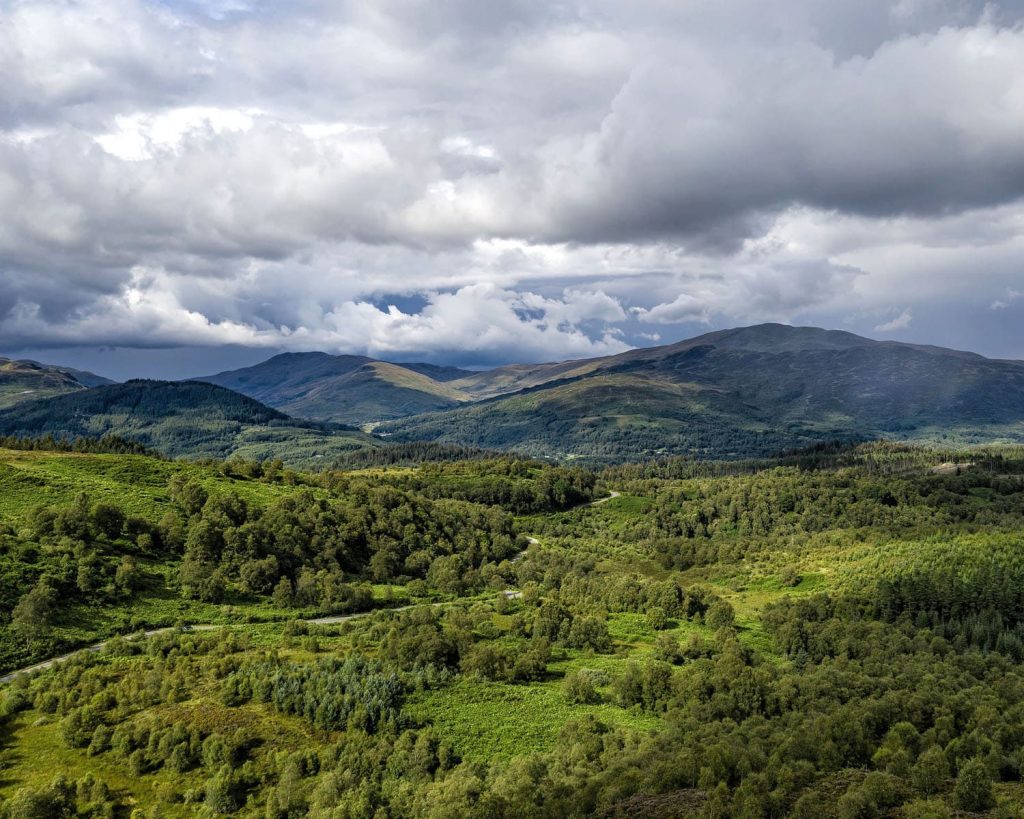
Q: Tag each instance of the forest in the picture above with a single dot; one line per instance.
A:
(836, 632)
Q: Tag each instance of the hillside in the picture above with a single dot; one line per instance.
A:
(749, 391)
(28, 380)
(315, 520)
(344, 388)
(837, 636)
(181, 419)
(613, 416)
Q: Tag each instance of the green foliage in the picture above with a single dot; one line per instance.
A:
(179, 418)
(973, 789)
(608, 670)
(34, 612)
(125, 542)
(353, 693)
(580, 687)
(52, 802)
(524, 487)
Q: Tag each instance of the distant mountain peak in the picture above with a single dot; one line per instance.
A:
(26, 380)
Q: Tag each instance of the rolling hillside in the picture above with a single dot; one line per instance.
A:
(733, 393)
(182, 419)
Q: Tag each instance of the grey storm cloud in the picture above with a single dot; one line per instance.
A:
(267, 174)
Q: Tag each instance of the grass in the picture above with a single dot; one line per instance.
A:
(137, 483)
(489, 720)
(39, 753)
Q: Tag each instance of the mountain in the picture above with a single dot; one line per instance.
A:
(84, 377)
(733, 393)
(28, 380)
(345, 388)
(182, 418)
(749, 391)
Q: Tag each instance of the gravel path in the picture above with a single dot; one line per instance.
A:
(313, 621)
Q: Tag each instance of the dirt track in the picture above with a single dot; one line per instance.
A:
(314, 621)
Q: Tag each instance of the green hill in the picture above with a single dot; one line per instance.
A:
(751, 391)
(29, 380)
(743, 392)
(614, 416)
(182, 419)
(57, 525)
(345, 388)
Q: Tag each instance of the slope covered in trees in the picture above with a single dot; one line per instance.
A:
(91, 544)
(838, 634)
(182, 419)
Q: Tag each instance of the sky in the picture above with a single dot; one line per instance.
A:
(191, 186)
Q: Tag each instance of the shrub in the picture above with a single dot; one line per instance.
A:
(579, 687)
(973, 790)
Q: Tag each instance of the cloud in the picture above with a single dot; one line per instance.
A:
(482, 323)
(901, 322)
(683, 308)
(234, 172)
(1010, 297)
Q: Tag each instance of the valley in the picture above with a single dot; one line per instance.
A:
(511, 410)
(770, 571)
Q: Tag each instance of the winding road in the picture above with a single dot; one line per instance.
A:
(329, 620)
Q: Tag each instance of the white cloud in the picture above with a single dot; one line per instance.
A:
(1010, 297)
(900, 322)
(479, 321)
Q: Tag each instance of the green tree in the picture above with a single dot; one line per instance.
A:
(188, 494)
(930, 772)
(720, 615)
(283, 595)
(128, 576)
(578, 687)
(973, 789)
(108, 520)
(33, 614)
(90, 573)
(55, 801)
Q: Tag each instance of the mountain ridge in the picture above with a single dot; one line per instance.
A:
(344, 388)
(786, 386)
(316, 387)
(739, 392)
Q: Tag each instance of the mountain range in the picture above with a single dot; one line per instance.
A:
(742, 392)
(729, 393)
